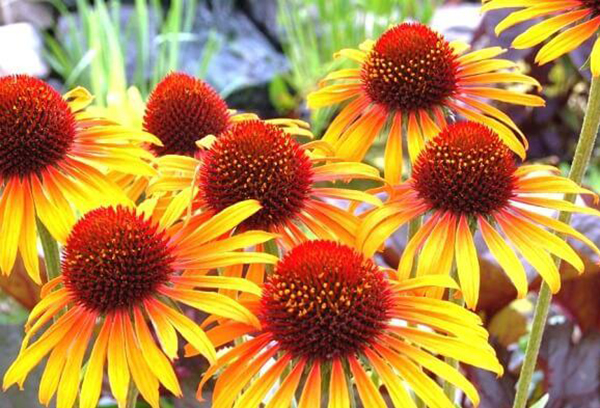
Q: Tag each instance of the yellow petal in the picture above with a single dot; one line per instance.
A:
(167, 336)
(369, 395)
(92, 380)
(118, 370)
(188, 329)
(338, 388)
(28, 236)
(224, 221)
(567, 41)
(145, 381)
(287, 389)
(259, 389)
(71, 376)
(398, 394)
(423, 385)
(505, 256)
(467, 263)
(158, 363)
(213, 303)
(11, 216)
(312, 387)
(393, 158)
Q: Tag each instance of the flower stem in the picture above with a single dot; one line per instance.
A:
(583, 152)
(51, 253)
(413, 227)
(132, 395)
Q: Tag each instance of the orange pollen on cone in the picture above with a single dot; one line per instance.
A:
(325, 300)
(37, 127)
(466, 169)
(410, 67)
(115, 259)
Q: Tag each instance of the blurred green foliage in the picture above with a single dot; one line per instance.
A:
(99, 36)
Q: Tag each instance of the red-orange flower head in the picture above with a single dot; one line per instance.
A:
(410, 67)
(114, 259)
(37, 126)
(257, 160)
(325, 300)
(181, 110)
(465, 169)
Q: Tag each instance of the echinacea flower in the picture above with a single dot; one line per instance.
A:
(183, 109)
(466, 177)
(52, 160)
(180, 111)
(408, 81)
(573, 22)
(258, 160)
(328, 311)
(121, 267)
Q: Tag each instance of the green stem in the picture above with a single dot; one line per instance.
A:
(583, 152)
(132, 395)
(51, 252)
(413, 227)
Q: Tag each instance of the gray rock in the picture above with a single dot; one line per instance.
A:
(246, 58)
(18, 11)
(21, 45)
(457, 22)
(10, 342)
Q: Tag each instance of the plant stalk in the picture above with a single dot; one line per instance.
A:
(583, 152)
(51, 252)
(132, 396)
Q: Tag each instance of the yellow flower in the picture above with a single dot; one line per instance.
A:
(52, 157)
(121, 267)
(329, 310)
(408, 81)
(575, 21)
(466, 177)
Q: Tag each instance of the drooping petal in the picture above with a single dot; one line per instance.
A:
(71, 376)
(187, 327)
(28, 236)
(92, 379)
(261, 386)
(11, 216)
(338, 388)
(165, 332)
(145, 381)
(393, 158)
(156, 360)
(118, 369)
(369, 395)
(467, 263)
(423, 385)
(287, 389)
(505, 256)
(312, 387)
(398, 394)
